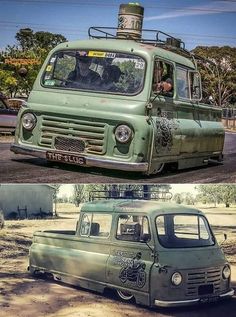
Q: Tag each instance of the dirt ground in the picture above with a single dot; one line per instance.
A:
(24, 296)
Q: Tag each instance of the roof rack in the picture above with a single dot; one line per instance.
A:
(130, 194)
(160, 39)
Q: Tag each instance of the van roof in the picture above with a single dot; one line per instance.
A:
(136, 206)
(127, 46)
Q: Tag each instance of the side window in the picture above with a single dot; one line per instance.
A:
(182, 83)
(163, 78)
(188, 84)
(96, 225)
(133, 228)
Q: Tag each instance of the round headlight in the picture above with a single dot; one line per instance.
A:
(29, 121)
(123, 133)
(176, 278)
(226, 272)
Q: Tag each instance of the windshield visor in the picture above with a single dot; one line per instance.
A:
(108, 72)
(183, 231)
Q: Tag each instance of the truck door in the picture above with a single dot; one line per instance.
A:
(130, 260)
(93, 248)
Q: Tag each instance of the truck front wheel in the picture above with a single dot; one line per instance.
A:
(126, 296)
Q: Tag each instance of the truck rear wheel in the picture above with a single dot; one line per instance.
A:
(126, 296)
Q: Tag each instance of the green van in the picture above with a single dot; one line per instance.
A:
(117, 117)
(159, 254)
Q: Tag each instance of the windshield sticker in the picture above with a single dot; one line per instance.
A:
(139, 65)
(96, 54)
(52, 60)
(110, 55)
(49, 82)
(49, 68)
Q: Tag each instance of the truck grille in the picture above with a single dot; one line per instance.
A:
(73, 135)
(203, 282)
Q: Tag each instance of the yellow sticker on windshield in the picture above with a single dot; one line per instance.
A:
(96, 54)
(49, 68)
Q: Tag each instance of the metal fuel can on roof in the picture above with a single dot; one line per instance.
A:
(130, 21)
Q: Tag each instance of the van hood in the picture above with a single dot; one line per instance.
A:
(86, 104)
(192, 257)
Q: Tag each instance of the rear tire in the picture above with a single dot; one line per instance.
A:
(125, 296)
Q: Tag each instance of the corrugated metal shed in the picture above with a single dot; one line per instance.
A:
(26, 201)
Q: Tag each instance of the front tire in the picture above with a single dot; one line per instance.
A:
(125, 296)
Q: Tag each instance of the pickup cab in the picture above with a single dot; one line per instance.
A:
(159, 254)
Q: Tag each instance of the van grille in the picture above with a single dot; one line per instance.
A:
(73, 135)
(198, 281)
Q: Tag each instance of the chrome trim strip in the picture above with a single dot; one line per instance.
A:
(230, 293)
(162, 303)
(90, 161)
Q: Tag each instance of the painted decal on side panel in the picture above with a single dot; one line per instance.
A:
(132, 269)
(164, 134)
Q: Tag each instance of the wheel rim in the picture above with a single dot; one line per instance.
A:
(125, 295)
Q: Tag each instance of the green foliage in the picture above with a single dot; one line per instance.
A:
(218, 82)
(217, 194)
(34, 46)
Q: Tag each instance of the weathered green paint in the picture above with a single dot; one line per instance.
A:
(96, 263)
(170, 130)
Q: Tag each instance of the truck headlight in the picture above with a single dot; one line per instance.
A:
(226, 272)
(123, 133)
(176, 278)
(29, 121)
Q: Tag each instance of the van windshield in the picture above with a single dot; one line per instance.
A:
(108, 72)
(183, 231)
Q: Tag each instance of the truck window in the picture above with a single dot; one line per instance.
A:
(182, 231)
(133, 228)
(163, 78)
(188, 84)
(96, 225)
(108, 72)
(183, 83)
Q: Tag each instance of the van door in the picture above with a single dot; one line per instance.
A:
(166, 127)
(130, 259)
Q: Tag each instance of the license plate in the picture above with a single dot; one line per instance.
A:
(209, 299)
(65, 158)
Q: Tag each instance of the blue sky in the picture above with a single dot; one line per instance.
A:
(204, 22)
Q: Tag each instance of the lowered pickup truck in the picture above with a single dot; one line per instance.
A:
(160, 254)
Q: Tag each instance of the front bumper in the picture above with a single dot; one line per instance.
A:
(90, 161)
(191, 301)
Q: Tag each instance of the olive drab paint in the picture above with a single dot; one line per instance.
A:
(137, 248)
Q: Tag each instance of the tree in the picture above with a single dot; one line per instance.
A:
(32, 49)
(29, 40)
(217, 193)
(218, 82)
(178, 198)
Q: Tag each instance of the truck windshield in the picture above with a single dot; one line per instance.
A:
(108, 72)
(183, 231)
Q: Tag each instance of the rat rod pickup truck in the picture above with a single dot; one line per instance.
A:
(160, 254)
